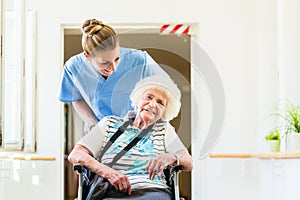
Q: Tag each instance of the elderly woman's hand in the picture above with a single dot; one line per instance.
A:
(159, 163)
(118, 180)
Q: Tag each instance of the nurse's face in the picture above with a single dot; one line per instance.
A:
(105, 61)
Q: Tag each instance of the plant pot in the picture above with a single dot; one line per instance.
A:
(274, 145)
(293, 142)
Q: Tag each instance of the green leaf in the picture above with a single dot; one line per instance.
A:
(273, 135)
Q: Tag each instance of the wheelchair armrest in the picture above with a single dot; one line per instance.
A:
(172, 179)
(176, 169)
(170, 172)
(78, 168)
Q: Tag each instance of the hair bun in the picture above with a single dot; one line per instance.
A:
(95, 22)
(91, 26)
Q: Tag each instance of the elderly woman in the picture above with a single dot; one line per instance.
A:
(138, 173)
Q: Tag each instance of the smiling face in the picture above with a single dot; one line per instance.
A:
(105, 61)
(151, 107)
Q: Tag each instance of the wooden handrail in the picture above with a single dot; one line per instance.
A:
(271, 155)
(28, 158)
(231, 155)
(42, 158)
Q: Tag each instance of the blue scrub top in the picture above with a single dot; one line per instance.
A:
(106, 96)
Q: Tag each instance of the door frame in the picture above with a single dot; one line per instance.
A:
(74, 28)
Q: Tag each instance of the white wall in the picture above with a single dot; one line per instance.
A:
(291, 49)
(240, 37)
(228, 31)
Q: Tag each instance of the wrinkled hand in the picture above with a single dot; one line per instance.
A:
(158, 164)
(119, 181)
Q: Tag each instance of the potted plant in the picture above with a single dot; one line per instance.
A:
(274, 139)
(290, 124)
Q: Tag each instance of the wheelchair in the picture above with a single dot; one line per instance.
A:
(171, 175)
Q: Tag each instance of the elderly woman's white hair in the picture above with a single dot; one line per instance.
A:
(161, 83)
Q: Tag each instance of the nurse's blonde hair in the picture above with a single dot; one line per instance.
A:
(97, 36)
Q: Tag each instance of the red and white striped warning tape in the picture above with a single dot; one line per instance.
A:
(174, 29)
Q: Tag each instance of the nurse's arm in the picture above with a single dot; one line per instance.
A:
(86, 114)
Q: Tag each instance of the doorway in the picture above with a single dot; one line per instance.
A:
(170, 52)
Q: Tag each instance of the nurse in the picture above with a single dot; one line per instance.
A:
(99, 80)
